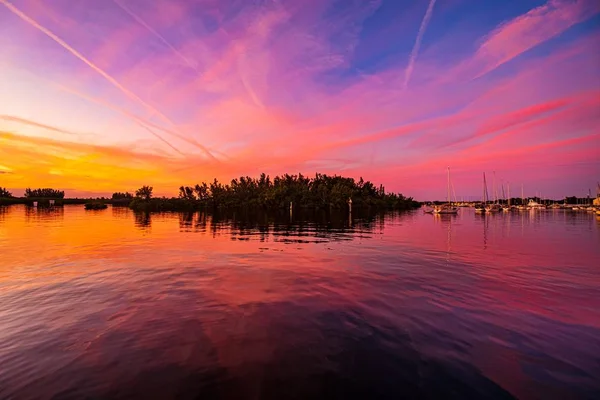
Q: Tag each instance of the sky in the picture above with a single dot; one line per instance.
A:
(104, 96)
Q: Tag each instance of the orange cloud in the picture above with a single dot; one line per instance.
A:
(37, 161)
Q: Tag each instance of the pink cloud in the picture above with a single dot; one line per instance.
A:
(517, 36)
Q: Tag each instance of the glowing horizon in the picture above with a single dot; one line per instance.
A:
(97, 97)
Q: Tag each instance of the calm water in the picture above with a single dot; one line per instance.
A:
(110, 304)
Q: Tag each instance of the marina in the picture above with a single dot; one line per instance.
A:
(506, 204)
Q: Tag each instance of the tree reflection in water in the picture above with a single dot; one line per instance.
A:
(299, 227)
(143, 220)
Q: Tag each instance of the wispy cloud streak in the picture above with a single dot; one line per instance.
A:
(415, 51)
(160, 37)
(156, 135)
(519, 35)
(24, 121)
(144, 123)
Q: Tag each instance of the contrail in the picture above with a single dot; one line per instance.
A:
(155, 33)
(140, 121)
(106, 76)
(415, 50)
(24, 121)
(161, 138)
(11, 118)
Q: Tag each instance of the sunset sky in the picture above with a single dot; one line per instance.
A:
(102, 96)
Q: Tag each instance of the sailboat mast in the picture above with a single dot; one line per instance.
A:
(495, 191)
(508, 189)
(448, 198)
(484, 190)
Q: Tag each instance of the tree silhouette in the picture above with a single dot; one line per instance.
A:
(145, 192)
(5, 193)
(202, 191)
(186, 192)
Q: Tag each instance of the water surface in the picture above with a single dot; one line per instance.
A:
(113, 304)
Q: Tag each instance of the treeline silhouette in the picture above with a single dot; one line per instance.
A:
(320, 192)
(121, 199)
(122, 196)
(45, 193)
(42, 196)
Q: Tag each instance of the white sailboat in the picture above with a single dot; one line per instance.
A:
(492, 208)
(480, 208)
(522, 207)
(495, 207)
(447, 208)
(507, 207)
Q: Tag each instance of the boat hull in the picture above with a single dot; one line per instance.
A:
(446, 210)
(493, 209)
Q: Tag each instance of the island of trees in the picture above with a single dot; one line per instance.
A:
(319, 192)
(266, 193)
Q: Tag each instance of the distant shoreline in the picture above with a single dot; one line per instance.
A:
(44, 201)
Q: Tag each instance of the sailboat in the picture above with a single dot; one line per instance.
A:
(492, 208)
(495, 207)
(447, 208)
(507, 206)
(522, 207)
(480, 208)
